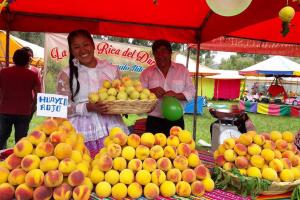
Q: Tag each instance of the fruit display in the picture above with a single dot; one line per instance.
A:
(121, 89)
(51, 162)
(149, 165)
(271, 156)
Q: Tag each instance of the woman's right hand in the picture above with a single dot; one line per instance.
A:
(99, 108)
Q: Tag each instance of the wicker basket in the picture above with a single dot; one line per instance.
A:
(129, 106)
(274, 188)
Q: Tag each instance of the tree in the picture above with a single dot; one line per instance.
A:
(33, 37)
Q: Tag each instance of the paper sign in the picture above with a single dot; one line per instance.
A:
(52, 105)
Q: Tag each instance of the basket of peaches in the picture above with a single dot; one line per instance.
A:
(253, 164)
(124, 96)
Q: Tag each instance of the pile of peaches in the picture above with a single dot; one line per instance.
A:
(121, 89)
(51, 162)
(272, 156)
(149, 165)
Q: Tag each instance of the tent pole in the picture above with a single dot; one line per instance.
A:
(196, 93)
(188, 57)
(7, 39)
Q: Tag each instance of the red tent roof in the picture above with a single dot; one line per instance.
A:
(176, 20)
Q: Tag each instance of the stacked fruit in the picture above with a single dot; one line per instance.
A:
(149, 165)
(272, 156)
(52, 161)
(124, 89)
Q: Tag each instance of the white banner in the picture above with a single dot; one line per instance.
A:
(52, 105)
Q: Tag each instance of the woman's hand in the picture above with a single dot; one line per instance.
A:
(96, 107)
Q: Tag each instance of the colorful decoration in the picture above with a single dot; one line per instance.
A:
(171, 108)
(286, 14)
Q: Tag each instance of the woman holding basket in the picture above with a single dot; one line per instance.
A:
(84, 75)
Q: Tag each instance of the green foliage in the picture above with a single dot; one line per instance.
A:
(296, 193)
(33, 37)
(53, 69)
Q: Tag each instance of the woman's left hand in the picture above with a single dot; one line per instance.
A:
(99, 108)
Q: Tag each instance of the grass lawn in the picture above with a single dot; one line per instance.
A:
(263, 123)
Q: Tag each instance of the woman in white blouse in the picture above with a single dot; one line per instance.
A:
(86, 74)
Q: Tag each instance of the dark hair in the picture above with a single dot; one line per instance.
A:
(21, 57)
(28, 49)
(159, 43)
(73, 68)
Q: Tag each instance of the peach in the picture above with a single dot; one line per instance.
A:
(143, 177)
(147, 139)
(296, 160)
(257, 161)
(158, 176)
(62, 151)
(183, 189)
(229, 143)
(114, 131)
(151, 191)
(72, 139)
(287, 164)
(30, 162)
(103, 190)
(209, 184)
(44, 149)
(167, 189)
(119, 191)
(287, 175)
(135, 165)
(34, 178)
(36, 137)
(185, 136)
(281, 145)
(259, 140)
(277, 154)
(7, 191)
(120, 138)
(170, 152)
(245, 139)
(81, 192)
(134, 140)
(228, 166)
(49, 126)
(241, 162)
(296, 172)
(96, 175)
(4, 172)
(107, 141)
(105, 163)
(149, 164)
(42, 193)
(66, 166)
(173, 140)
(76, 156)
(58, 136)
(174, 175)
(268, 154)
(184, 149)
(135, 190)
(201, 172)
(83, 167)
(288, 136)
(276, 164)
(188, 175)
(75, 178)
(269, 174)
(269, 144)
(292, 147)
(119, 163)
(220, 160)
(16, 176)
(23, 192)
(229, 155)
(243, 171)
(275, 135)
(128, 153)
(160, 139)
(192, 145)
(193, 160)
(114, 150)
(180, 162)
(221, 149)
(53, 178)
(198, 188)
(156, 152)
(164, 164)
(112, 177)
(266, 135)
(62, 192)
(126, 176)
(254, 172)
(142, 152)
(49, 163)
(23, 148)
(240, 149)
(175, 130)
(12, 162)
(288, 154)
(254, 149)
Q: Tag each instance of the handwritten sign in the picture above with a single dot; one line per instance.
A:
(52, 105)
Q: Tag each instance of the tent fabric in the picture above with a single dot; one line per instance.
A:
(207, 87)
(227, 89)
(276, 65)
(189, 21)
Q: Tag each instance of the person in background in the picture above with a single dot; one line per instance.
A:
(84, 75)
(166, 78)
(17, 102)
